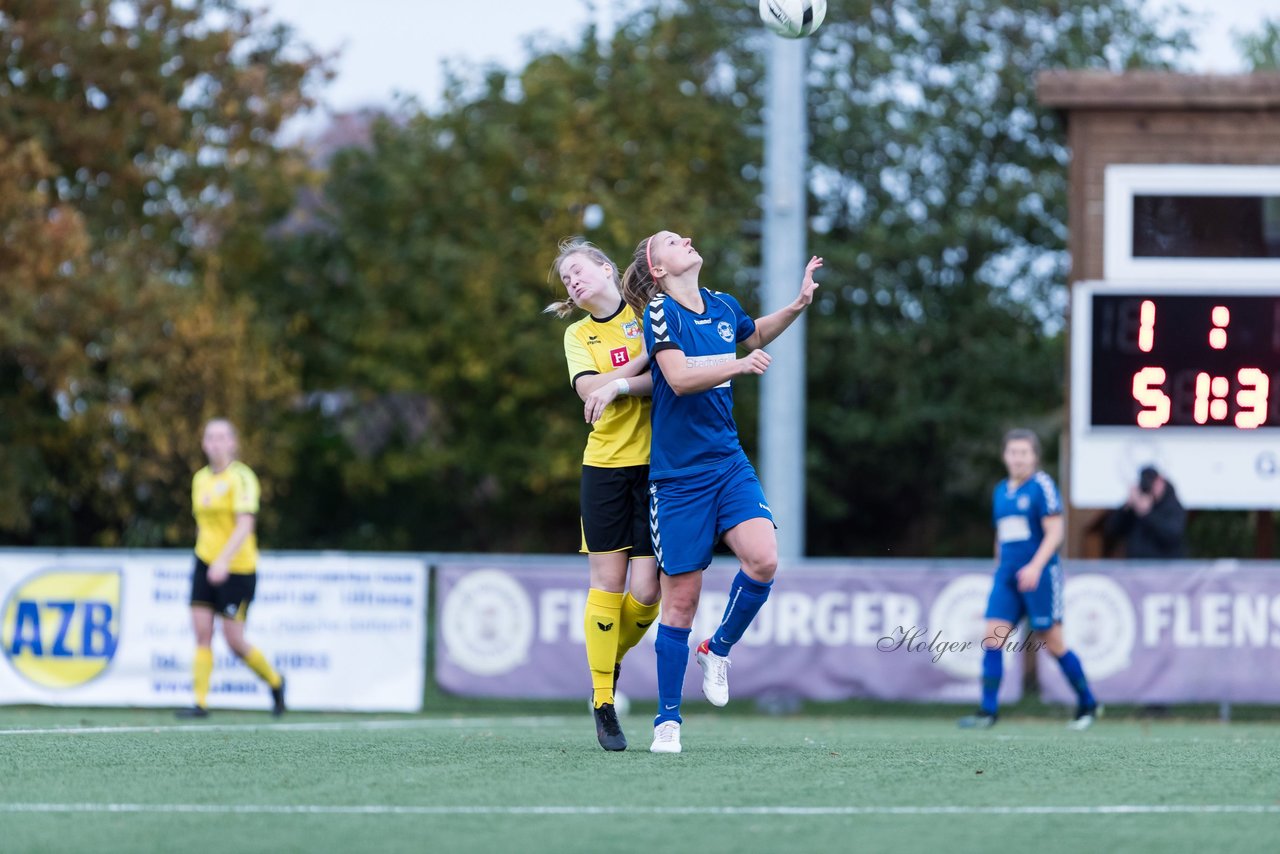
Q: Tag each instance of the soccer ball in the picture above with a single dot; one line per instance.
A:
(793, 19)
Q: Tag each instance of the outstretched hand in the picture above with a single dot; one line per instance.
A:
(808, 286)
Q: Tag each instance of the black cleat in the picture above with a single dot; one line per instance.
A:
(608, 731)
(981, 720)
(277, 699)
(192, 712)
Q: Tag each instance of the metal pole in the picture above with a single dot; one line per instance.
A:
(782, 398)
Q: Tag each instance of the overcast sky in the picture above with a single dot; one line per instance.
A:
(391, 46)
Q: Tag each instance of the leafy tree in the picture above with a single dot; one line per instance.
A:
(1261, 50)
(414, 294)
(145, 133)
(939, 201)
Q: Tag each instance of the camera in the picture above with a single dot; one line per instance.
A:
(1146, 480)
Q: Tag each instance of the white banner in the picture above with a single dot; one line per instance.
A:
(89, 628)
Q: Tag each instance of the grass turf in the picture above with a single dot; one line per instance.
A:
(474, 770)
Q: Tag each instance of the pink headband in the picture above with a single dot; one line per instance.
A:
(647, 258)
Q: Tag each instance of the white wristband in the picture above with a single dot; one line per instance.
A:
(624, 387)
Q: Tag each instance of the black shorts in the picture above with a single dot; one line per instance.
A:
(230, 599)
(615, 511)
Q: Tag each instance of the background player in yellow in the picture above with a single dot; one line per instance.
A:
(224, 500)
(608, 368)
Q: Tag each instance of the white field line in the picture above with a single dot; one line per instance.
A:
(315, 726)
(464, 810)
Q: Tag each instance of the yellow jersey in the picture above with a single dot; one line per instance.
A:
(597, 346)
(216, 500)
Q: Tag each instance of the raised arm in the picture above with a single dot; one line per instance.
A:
(772, 325)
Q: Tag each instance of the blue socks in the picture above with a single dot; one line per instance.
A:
(1075, 675)
(992, 673)
(746, 596)
(672, 649)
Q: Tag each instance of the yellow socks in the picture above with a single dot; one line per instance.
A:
(601, 621)
(258, 664)
(202, 671)
(636, 619)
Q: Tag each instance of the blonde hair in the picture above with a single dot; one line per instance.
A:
(638, 284)
(576, 246)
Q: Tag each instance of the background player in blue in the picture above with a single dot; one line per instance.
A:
(702, 487)
(1029, 528)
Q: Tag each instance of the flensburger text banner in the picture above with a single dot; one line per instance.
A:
(1176, 632)
(893, 633)
(114, 629)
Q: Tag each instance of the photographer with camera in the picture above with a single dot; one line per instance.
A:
(1152, 522)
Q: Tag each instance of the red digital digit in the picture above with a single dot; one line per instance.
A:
(1201, 410)
(1147, 326)
(1211, 398)
(1221, 317)
(1252, 398)
(1147, 391)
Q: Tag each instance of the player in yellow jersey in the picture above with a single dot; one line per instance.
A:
(609, 370)
(224, 500)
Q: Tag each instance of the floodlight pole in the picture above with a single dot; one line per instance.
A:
(782, 397)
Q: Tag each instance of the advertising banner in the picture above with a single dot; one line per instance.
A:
(894, 632)
(1177, 632)
(100, 628)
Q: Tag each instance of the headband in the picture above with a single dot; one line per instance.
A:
(648, 259)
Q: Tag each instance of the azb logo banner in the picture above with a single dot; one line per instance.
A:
(61, 628)
(101, 628)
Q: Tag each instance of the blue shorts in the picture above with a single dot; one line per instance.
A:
(1042, 606)
(689, 514)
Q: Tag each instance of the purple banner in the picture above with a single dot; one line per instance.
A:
(1178, 632)
(898, 631)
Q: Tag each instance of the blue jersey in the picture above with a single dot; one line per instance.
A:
(695, 432)
(1019, 519)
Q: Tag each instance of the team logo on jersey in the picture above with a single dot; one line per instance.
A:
(486, 623)
(619, 357)
(1024, 503)
(60, 628)
(725, 329)
(631, 329)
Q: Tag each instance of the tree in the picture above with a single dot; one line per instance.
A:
(1261, 50)
(939, 202)
(145, 130)
(415, 296)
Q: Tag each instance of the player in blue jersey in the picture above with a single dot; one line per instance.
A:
(702, 488)
(1029, 528)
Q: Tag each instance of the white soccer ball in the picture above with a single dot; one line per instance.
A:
(793, 19)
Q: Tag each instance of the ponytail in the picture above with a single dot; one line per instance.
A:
(561, 308)
(638, 284)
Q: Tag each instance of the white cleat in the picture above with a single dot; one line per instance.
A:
(666, 738)
(1084, 718)
(715, 675)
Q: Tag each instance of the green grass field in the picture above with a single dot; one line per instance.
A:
(135, 781)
